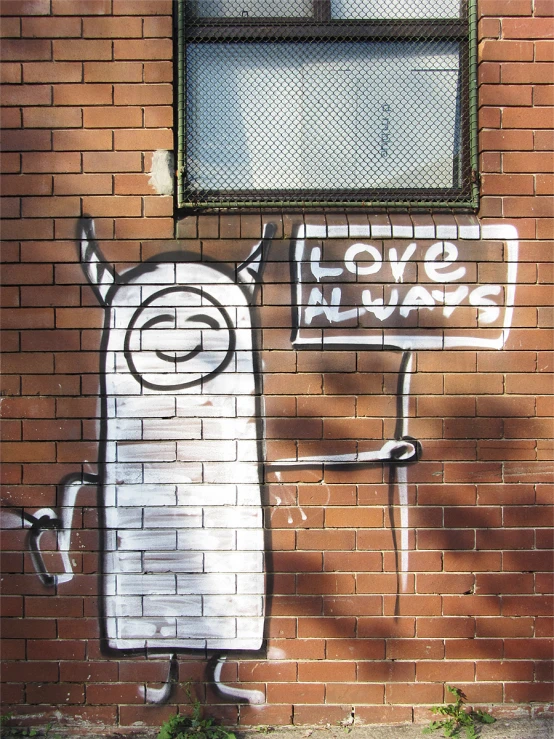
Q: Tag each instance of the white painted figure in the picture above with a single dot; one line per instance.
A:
(179, 462)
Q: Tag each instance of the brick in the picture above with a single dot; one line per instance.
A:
(273, 671)
(522, 73)
(505, 7)
(25, 50)
(544, 140)
(89, 94)
(527, 118)
(153, 228)
(444, 583)
(111, 162)
(158, 71)
(132, 184)
(526, 561)
(32, 671)
(326, 671)
(82, 49)
(412, 605)
(506, 184)
(143, 94)
(499, 51)
(27, 95)
(300, 693)
(506, 140)
(86, 7)
(474, 648)
(51, 27)
(55, 694)
(28, 229)
(147, 7)
(110, 117)
(10, 27)
(505, 95)
(145, 49)
(543, 95)
(503, 583)
(504, 626)
(50, 162)
(489, 28)
(82, 140)
(145, 140)
(471, 605)
(411, 693)
(310, 627)
(83, 184)
(544, 184)
(13, 451)
(26, 184)
(51, 206)
(500, 539)
(358, 562)
(25, 7)
(522, 693)
(326, 540)
(526, 28)
(159, 117)
(446, 672)
(158, 206)
(113, 72)
(489, 73)
(10, 74)
(159, 27)
(52, 118)
(472, 561)
(544, 50)
(112, 28)
(53, 72)
(526, 605)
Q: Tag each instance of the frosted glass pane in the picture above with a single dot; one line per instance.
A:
(375, 9)
(324, 116)
(253, 8)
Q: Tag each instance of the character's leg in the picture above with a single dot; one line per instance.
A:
(162, 695)
(252, 696)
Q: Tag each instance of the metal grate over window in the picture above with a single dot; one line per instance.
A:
(327, 102)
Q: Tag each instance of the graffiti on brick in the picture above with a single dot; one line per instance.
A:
(179, 459)
(181, 462)
(402, 288)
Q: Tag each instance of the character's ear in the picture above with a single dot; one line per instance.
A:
(99, 273)
(250, 271)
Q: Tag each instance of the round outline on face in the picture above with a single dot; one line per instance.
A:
(187, 289)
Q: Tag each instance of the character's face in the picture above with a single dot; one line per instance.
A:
(178, 337)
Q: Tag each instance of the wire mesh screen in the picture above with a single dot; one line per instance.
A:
(314, 102)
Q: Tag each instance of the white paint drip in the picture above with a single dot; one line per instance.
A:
(161, 174)
(254, 697)
(402, 480)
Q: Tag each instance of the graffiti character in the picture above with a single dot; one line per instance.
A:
(179, 460)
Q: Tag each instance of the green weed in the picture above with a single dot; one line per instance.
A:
(458, 718)
(194, 726)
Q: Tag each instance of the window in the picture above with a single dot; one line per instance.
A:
(326, 102)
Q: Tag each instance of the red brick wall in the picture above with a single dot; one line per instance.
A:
(88, 97)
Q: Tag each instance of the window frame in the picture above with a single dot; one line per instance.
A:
(320, 27)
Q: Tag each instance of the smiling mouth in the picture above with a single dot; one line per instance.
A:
(182, 358)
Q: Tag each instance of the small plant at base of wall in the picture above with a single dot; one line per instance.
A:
(14, 732)
(458, 718)
(194, 726)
